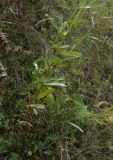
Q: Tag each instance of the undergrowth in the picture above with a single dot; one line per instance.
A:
(56, 102)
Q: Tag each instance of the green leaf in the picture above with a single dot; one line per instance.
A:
(63, 33)
(63, 46)
(86, 6)
(48, 152)
(24, 91)
(25, 123)
(15, 156)
(56, 84)
(29, 153)
(56, 61)
(76, 22)
(60, 46)
(49, 100)
(37, 106)
(78, 99)
(71, 53)
(45, 93)
(76, 126)
(39, 145)
(81, 108)
(53, 137)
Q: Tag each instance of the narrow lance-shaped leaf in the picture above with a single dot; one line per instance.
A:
(76, 126)
(45, 93)
(71, 53)
(37, 106)
(56, 84)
